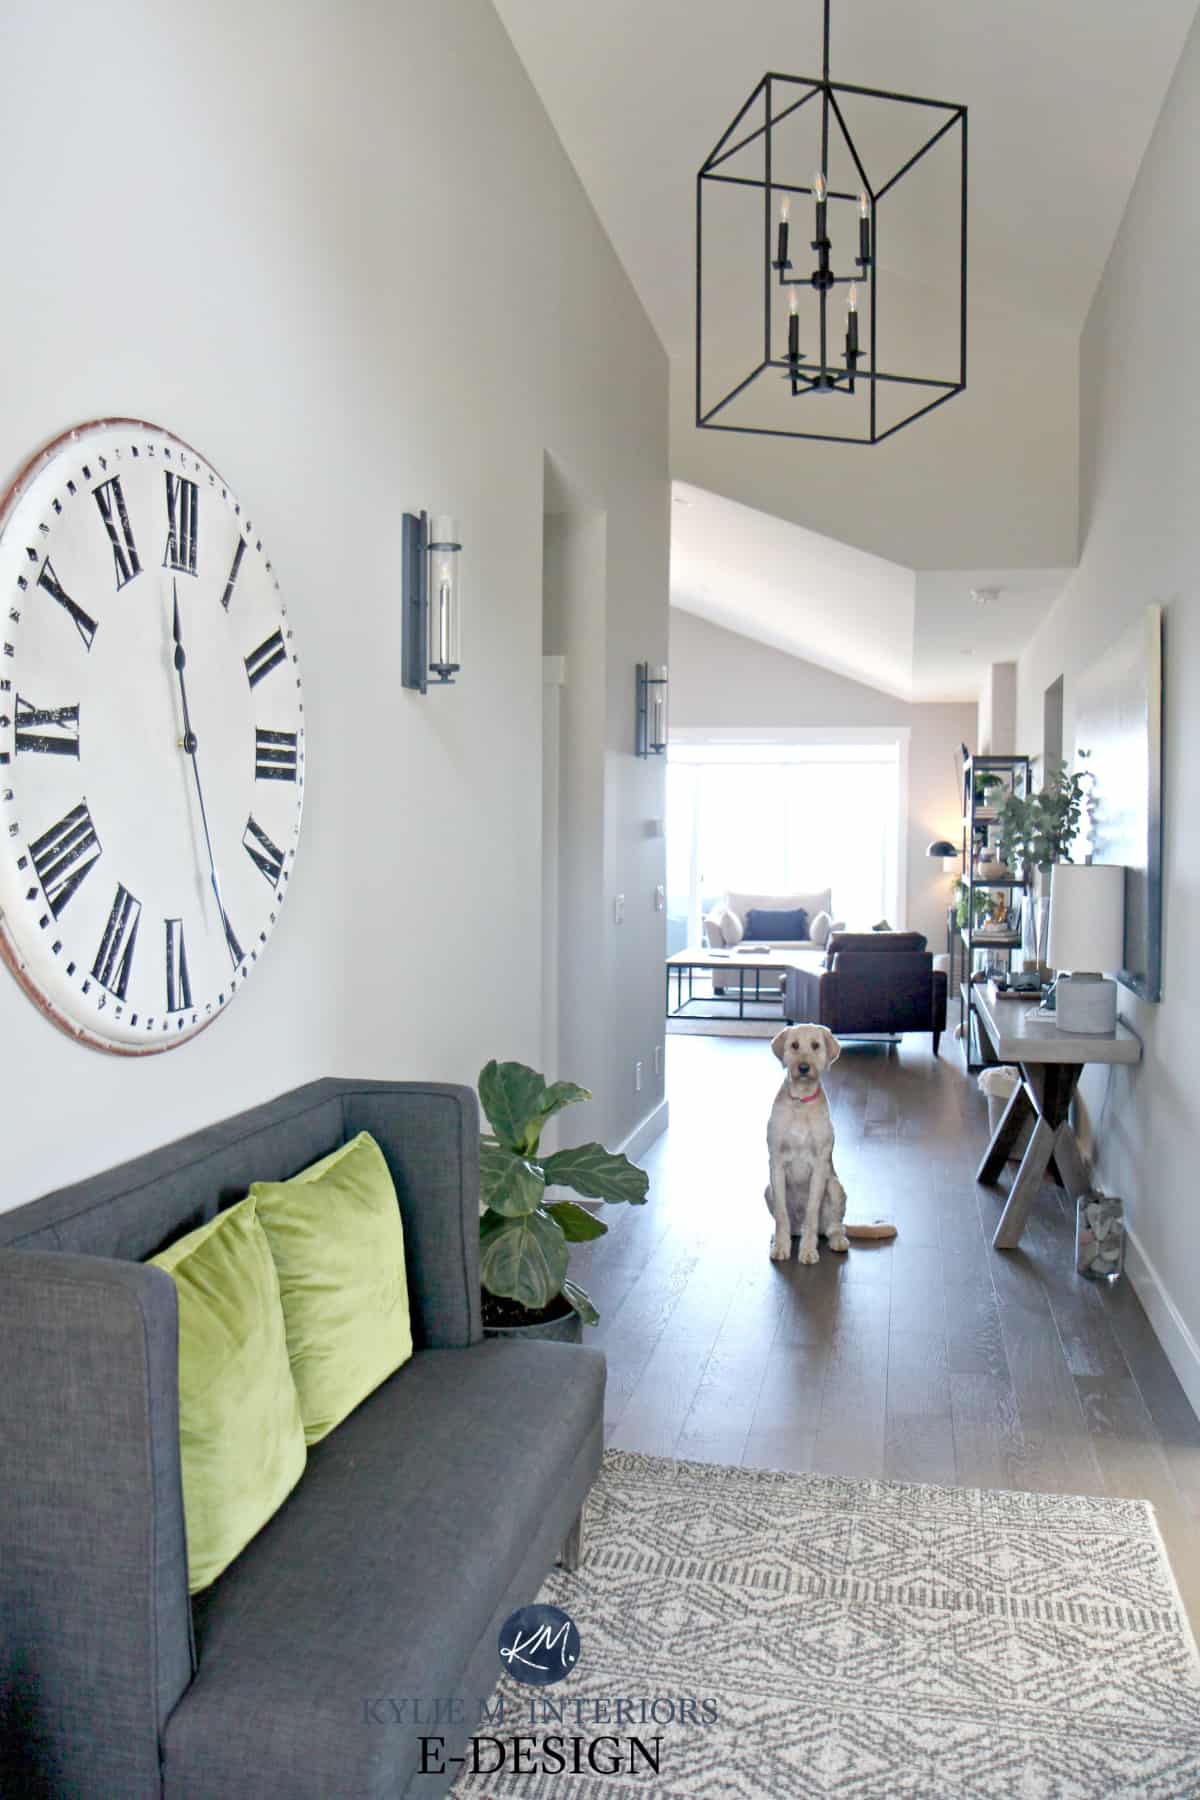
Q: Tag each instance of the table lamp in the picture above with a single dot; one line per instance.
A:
(1087, 936)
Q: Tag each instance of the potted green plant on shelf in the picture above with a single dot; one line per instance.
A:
(983, 905)
(1035, 832)
(524, 1237)
(986, 781)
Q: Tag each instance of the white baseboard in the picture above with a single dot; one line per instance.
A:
(1171, 1328)
(643, 1135)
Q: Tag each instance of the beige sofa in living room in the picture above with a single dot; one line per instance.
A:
(725, 924)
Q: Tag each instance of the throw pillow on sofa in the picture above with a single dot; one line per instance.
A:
(241, 1439)
(731, 927)
(819, 928)
(777, 927)
(338, 1244)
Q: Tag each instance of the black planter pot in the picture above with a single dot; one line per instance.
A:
(566, 1328)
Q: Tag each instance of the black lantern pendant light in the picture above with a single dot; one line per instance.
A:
(755, 187)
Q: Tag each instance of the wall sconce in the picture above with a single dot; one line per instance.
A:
(651, 710)
(431, 638)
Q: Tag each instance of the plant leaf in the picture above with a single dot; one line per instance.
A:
(523, 1259)
(579, 1225)
(554, 1098)
(511, 1095)
(599, 1173)
(508, 1183)
(580, 1301)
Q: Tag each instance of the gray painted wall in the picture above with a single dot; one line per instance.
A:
(341, 251)
(1139, 458)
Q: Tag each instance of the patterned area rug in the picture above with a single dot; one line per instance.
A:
(867, 1639)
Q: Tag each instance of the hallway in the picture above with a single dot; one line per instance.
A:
(931, 1359)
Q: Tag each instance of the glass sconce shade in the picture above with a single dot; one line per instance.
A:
(651, 709)
(445, 597)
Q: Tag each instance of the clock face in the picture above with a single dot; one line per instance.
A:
(151, 738)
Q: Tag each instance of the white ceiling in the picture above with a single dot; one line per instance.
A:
(955, 638)
(795, 589)
(919, 636)
(1063, 96)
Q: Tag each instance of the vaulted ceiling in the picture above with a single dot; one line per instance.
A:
(1063, 96)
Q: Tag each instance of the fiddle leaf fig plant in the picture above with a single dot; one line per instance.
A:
(525, 1238)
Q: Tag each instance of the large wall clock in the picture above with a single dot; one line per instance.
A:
(151, 738)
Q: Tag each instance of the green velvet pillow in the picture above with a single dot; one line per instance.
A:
(338, 1244)
(241, 1438)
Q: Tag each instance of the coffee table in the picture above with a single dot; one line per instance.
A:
(1051, 1062)
(759, 963)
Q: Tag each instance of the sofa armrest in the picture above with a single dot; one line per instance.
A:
(429, 1135)
(95, 1625)
(810, 996)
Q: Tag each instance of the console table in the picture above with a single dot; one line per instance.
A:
(1051, 1062)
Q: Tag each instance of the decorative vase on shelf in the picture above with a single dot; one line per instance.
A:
(1029, 935)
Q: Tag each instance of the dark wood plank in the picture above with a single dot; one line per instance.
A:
(919, 1424)
(988, 1447)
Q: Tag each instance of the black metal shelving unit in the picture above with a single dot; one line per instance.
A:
(979, 817)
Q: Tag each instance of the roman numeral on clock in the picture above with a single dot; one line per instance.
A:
(179, 986)
(111, 502)
(267, 657)
(84, 624)
(235, 949)
(65, 855)
(275, 755)
(231, 583)
(270, 653)
(266, 856)
(183, 506)
(60, 736)
(115, 955)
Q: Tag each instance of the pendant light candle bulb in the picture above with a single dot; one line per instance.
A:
(852, 297)
(820, 189)
(864, 209)
(785, 207)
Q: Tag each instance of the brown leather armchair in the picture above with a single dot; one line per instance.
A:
(873, 981)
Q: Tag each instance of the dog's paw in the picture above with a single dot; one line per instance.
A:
(781, 1248)
(809, 1255)
(838, 1241)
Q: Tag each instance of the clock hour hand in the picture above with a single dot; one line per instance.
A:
(191, 745)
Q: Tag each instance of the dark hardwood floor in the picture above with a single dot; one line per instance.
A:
(934, 1358)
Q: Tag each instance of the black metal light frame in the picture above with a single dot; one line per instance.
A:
(821, 375)
(416, 669)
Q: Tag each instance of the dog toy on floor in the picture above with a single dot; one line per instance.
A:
(876, 1232)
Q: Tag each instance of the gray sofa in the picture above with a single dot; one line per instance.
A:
(427, 1517)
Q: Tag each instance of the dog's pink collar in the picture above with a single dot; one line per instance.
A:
(807, 1099)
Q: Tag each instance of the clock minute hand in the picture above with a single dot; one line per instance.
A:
(191, 745)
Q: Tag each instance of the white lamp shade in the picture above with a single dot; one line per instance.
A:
(1087, 917)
